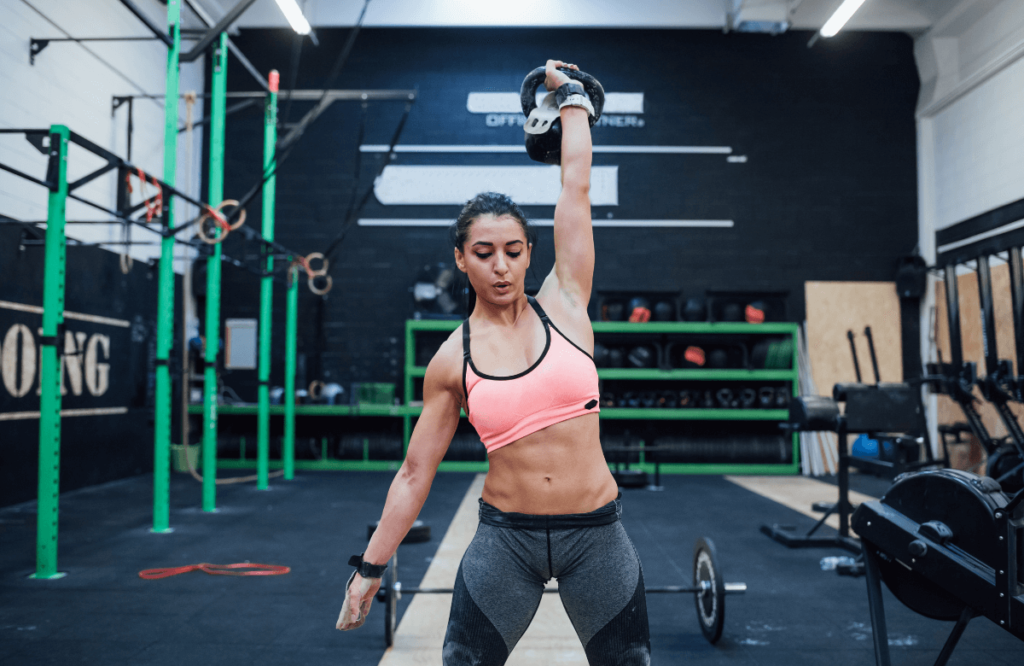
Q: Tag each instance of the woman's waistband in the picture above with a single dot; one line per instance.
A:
(605, 515)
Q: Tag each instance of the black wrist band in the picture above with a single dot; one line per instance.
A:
(365, 569)
(566, 89)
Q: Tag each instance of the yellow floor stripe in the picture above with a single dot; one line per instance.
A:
(420, 636)
(797, 493)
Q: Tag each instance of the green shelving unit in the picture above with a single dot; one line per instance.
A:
(408, 411)
(790, 375)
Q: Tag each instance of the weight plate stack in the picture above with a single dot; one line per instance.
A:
(711, 601)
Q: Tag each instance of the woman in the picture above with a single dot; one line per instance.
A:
(527, 381)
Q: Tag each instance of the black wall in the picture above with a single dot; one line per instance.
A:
(827, 192)
(94, 449)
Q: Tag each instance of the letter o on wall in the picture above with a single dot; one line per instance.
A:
(18, 337)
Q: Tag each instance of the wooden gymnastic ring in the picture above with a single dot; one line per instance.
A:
(201, 227)
(241, 216)
(323, 267)
(316, 389)
(311, 280)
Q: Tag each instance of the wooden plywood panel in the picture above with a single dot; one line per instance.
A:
(833, 308)
(971, 336)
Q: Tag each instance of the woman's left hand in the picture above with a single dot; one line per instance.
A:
(554, 78)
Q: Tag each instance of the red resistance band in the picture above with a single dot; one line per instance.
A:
(154, 204)
(239, 569)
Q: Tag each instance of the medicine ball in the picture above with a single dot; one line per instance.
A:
(692, 357)
(642, 356)
(664, 311)
(695, 310)
(754, 313)
(732, 312)
(600, 356)
(612, 311)
(639, 310)
(616, 359)
(718, 359)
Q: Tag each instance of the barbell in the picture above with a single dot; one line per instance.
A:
(709, 588)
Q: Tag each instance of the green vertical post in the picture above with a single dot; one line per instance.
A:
(266, 284)
(218, 89)
(49, 382)
(165, 292)
(290, 346)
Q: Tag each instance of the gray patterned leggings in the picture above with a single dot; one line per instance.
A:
(502, 576)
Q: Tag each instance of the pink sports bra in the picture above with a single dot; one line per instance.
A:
(561, 385)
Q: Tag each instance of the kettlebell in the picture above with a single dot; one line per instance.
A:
(547, 147)
(695, 310)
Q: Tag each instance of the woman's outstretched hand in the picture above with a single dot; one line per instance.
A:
(358, 598)
(554, 78)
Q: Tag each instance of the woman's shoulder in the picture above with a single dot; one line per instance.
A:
(446, 365)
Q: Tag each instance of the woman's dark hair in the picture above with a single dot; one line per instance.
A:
(486, 203)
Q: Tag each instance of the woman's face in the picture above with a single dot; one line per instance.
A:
(495, 258)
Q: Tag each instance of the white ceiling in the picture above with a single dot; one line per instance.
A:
(914, 16)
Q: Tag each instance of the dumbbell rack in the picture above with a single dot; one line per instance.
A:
(655, 330)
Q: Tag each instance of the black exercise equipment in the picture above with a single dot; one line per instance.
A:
(418, 533)
(947, 544)
(999, 386)
(616, 359)
(613, 311)
(643, 356)
(638, 310)
(664, 311)
(718, 359)
(547, 147)
(732, 312)
(695, 310)
(709, 588)
(726, 399)
(600, 355)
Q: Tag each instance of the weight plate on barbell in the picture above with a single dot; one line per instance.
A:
(711, 601)
(418, 533)
(389, 583)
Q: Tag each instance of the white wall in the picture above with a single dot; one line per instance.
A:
(69, 86)
(970, 124)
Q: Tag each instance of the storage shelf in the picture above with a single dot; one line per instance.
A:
(695, 414)
(314, 410)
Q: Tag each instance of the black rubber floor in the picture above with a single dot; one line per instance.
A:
(793, 613)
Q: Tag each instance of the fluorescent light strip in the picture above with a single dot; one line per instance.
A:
(665, 150)
(653, 224)
(982, 236)
(291, 11)
(840, 17)
(100, 411)
(35, 309)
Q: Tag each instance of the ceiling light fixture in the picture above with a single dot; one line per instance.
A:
(299, 24)
(839, 18)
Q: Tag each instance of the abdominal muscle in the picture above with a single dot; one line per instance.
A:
(557, 470)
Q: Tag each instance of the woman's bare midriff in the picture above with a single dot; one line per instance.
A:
(557, 470)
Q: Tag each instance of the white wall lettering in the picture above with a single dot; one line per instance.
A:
(97, 375)
(18, 343)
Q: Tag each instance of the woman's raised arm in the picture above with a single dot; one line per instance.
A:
(574, 233)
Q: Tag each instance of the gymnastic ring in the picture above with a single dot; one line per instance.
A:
(201, 227)
(241, 216)
(323, 265)
(293, 271)
(126, 263)
(311, 282)
(316, 389)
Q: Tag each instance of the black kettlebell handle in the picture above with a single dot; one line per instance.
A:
(535, 79)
